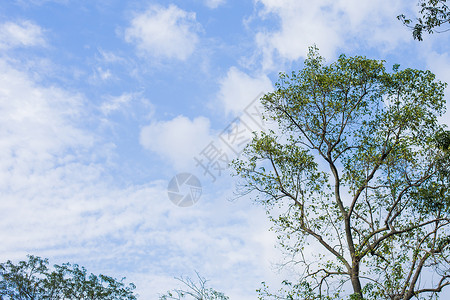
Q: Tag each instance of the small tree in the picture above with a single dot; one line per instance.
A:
(33, 280)
(359, 177)
(433, 14)
(197, 291)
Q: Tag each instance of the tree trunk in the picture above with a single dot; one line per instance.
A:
(355, 280)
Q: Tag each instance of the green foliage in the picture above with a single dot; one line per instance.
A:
(359, 168)
(433, 14)
(33, 280)
(443, 140)
(193, 290)
(434, 195)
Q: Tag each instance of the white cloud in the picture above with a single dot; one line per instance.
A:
(214, 3)
(301, 24)
(438, 63)
(177, 140)
(238, 89)
(374, 23)
(37, 123)
(23, 34)
(331, 25)
(57, 203)
(104, 74)
(164, 32)
(45, 159)
(116, 103)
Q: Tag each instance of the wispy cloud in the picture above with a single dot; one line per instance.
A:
(21, 34)
(214, 3)
(113, 104)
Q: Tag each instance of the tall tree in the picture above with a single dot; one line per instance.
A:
(33, 280)
(433, 14)
(354, 179)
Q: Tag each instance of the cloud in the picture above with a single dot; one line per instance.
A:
(209, 238)
(238, 89)
(22, 34)
(177, 140)
(301, 24)
(37, 123)
(109, 57)
(331, 25)
(164, 32)
(57, 201)
(438, 63)
(214, 3)
(116, 103)
(46, 158)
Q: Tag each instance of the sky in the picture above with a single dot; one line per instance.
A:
(104, 102)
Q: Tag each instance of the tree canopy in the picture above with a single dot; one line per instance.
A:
(355, 179)
(33, 280)
(433, 14)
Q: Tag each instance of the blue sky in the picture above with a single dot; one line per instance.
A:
(103, 102)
